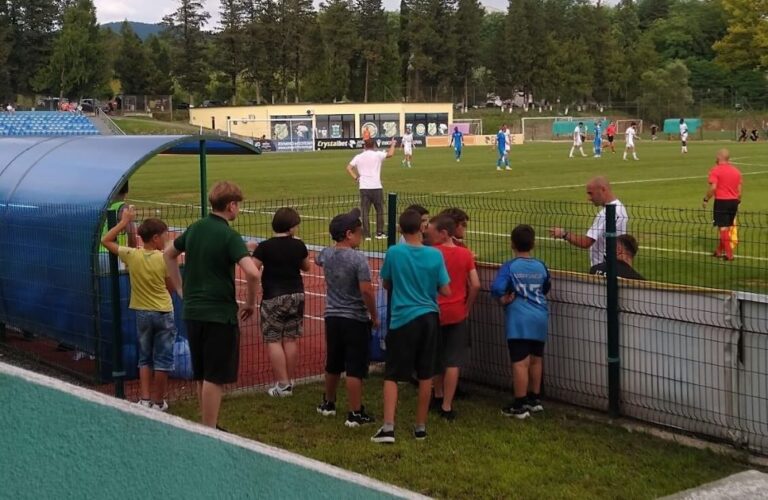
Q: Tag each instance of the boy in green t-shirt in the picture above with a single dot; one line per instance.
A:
(151, 302)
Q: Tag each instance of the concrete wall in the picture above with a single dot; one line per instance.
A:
(692, 359)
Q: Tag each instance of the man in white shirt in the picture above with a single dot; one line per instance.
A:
(683, 135)
(365, 169)
(600, 194)
(630, 135)
(577, 141)
(407, 147)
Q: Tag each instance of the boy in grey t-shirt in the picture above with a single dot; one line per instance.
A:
(350, 312)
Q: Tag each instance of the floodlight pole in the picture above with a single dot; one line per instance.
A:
(203, 179)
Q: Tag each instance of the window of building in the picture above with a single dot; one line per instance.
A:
(335, 126)
(427, 124)
(380, 124)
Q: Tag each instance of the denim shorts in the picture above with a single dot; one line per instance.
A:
(157, 333)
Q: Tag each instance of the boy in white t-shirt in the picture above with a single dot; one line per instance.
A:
(365, 169)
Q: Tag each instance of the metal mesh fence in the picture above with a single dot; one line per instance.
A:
(693, 336)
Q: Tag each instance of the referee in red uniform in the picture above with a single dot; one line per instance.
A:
(725, 186)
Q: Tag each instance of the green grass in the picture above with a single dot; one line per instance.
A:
(148, 126)
(544, 189)
(482, 454)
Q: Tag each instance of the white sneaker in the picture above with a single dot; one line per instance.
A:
(280, 392)
(458, 160)
(160, 407)
(146, 403)
(381, 236)
(507, 168)
(498, 168)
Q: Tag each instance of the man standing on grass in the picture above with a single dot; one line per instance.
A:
(365, 169)
(407, 141)
(212, 249)
(502, 148)
(630, 135)
(600, 194)
(577, 141)
(725, 186)
(683, 136)
(610, 133)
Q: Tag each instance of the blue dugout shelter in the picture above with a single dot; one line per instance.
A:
(54, 195)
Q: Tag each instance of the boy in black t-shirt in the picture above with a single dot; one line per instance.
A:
(626, 249)
(282, 258)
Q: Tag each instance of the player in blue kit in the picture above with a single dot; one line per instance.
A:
(457, 141)
(598, 141)
(501, 147)
(521, 286)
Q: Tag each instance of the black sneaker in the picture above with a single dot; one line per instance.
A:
(326, 408)
(533, 405)
(382, 436)
(356, 419)
(420, 435)
(519, 413)
(449, 415)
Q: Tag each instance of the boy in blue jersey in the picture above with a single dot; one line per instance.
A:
(521, 286)
(598, 141)
(501, 147)
(457, 141)
(414, 273)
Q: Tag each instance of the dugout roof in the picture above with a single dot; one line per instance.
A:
(54, 192)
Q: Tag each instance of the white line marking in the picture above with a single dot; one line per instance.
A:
(655, 249)
(179, 423)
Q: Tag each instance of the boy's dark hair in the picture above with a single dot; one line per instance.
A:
(285, 218)
(123, 188)
(410, 222)
(418, 208)
(222, 194)
(523, 237)
(151, 227)
(629, 243)
(458, 215)
(444, 223)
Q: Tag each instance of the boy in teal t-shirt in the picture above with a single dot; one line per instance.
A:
(415, 274)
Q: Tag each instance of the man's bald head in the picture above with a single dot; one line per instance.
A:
(599, 191)
(723, 156)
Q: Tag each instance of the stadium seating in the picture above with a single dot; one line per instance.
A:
(45, 123)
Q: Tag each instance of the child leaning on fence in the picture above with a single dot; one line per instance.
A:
(151, 302)
(521, 286)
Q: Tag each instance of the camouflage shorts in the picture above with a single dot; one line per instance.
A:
(282, 317)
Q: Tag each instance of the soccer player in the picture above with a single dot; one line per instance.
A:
(577, 141)
(407, 148)
(457, 140)
(725, 186)
(610, 133)
(683, 136)
(629, 136)
(508, 143)
(654, 129)
(501, 147)
(598, 141)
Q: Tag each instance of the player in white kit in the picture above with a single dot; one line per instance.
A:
(630, 135)
(407, 148)
(683, 135)
(577, 141)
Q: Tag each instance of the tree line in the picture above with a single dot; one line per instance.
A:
(567, 51)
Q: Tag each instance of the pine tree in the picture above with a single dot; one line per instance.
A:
(34, 24)
(75, 68)
(469, 22)
(132, 66)
(5, 52)
(339, 41)
(372, 28)
(230, 42)
(160, 81)
(184, 30)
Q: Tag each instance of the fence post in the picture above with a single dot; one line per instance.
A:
(612, 310)
(203, 179)
(2, 332)
(118, 373)
(391, 219)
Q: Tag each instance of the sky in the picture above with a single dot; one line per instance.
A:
(152, 11)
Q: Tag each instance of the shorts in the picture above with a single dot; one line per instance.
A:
(630, 144)
(724, 212)
(347, 343)
(214, 349)
(282, 317)
(610, 139)
(519, 349)
(408, 151)
(413, 347)
(454, 344)
(157, 333)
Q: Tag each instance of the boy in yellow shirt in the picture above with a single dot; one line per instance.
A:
(151, 302)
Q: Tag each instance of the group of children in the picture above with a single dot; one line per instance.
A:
(433, 284)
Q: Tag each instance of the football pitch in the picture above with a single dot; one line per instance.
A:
(663, 192)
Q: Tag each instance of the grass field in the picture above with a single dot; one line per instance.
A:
(482, 454)
(545, 188)
(138, 126)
